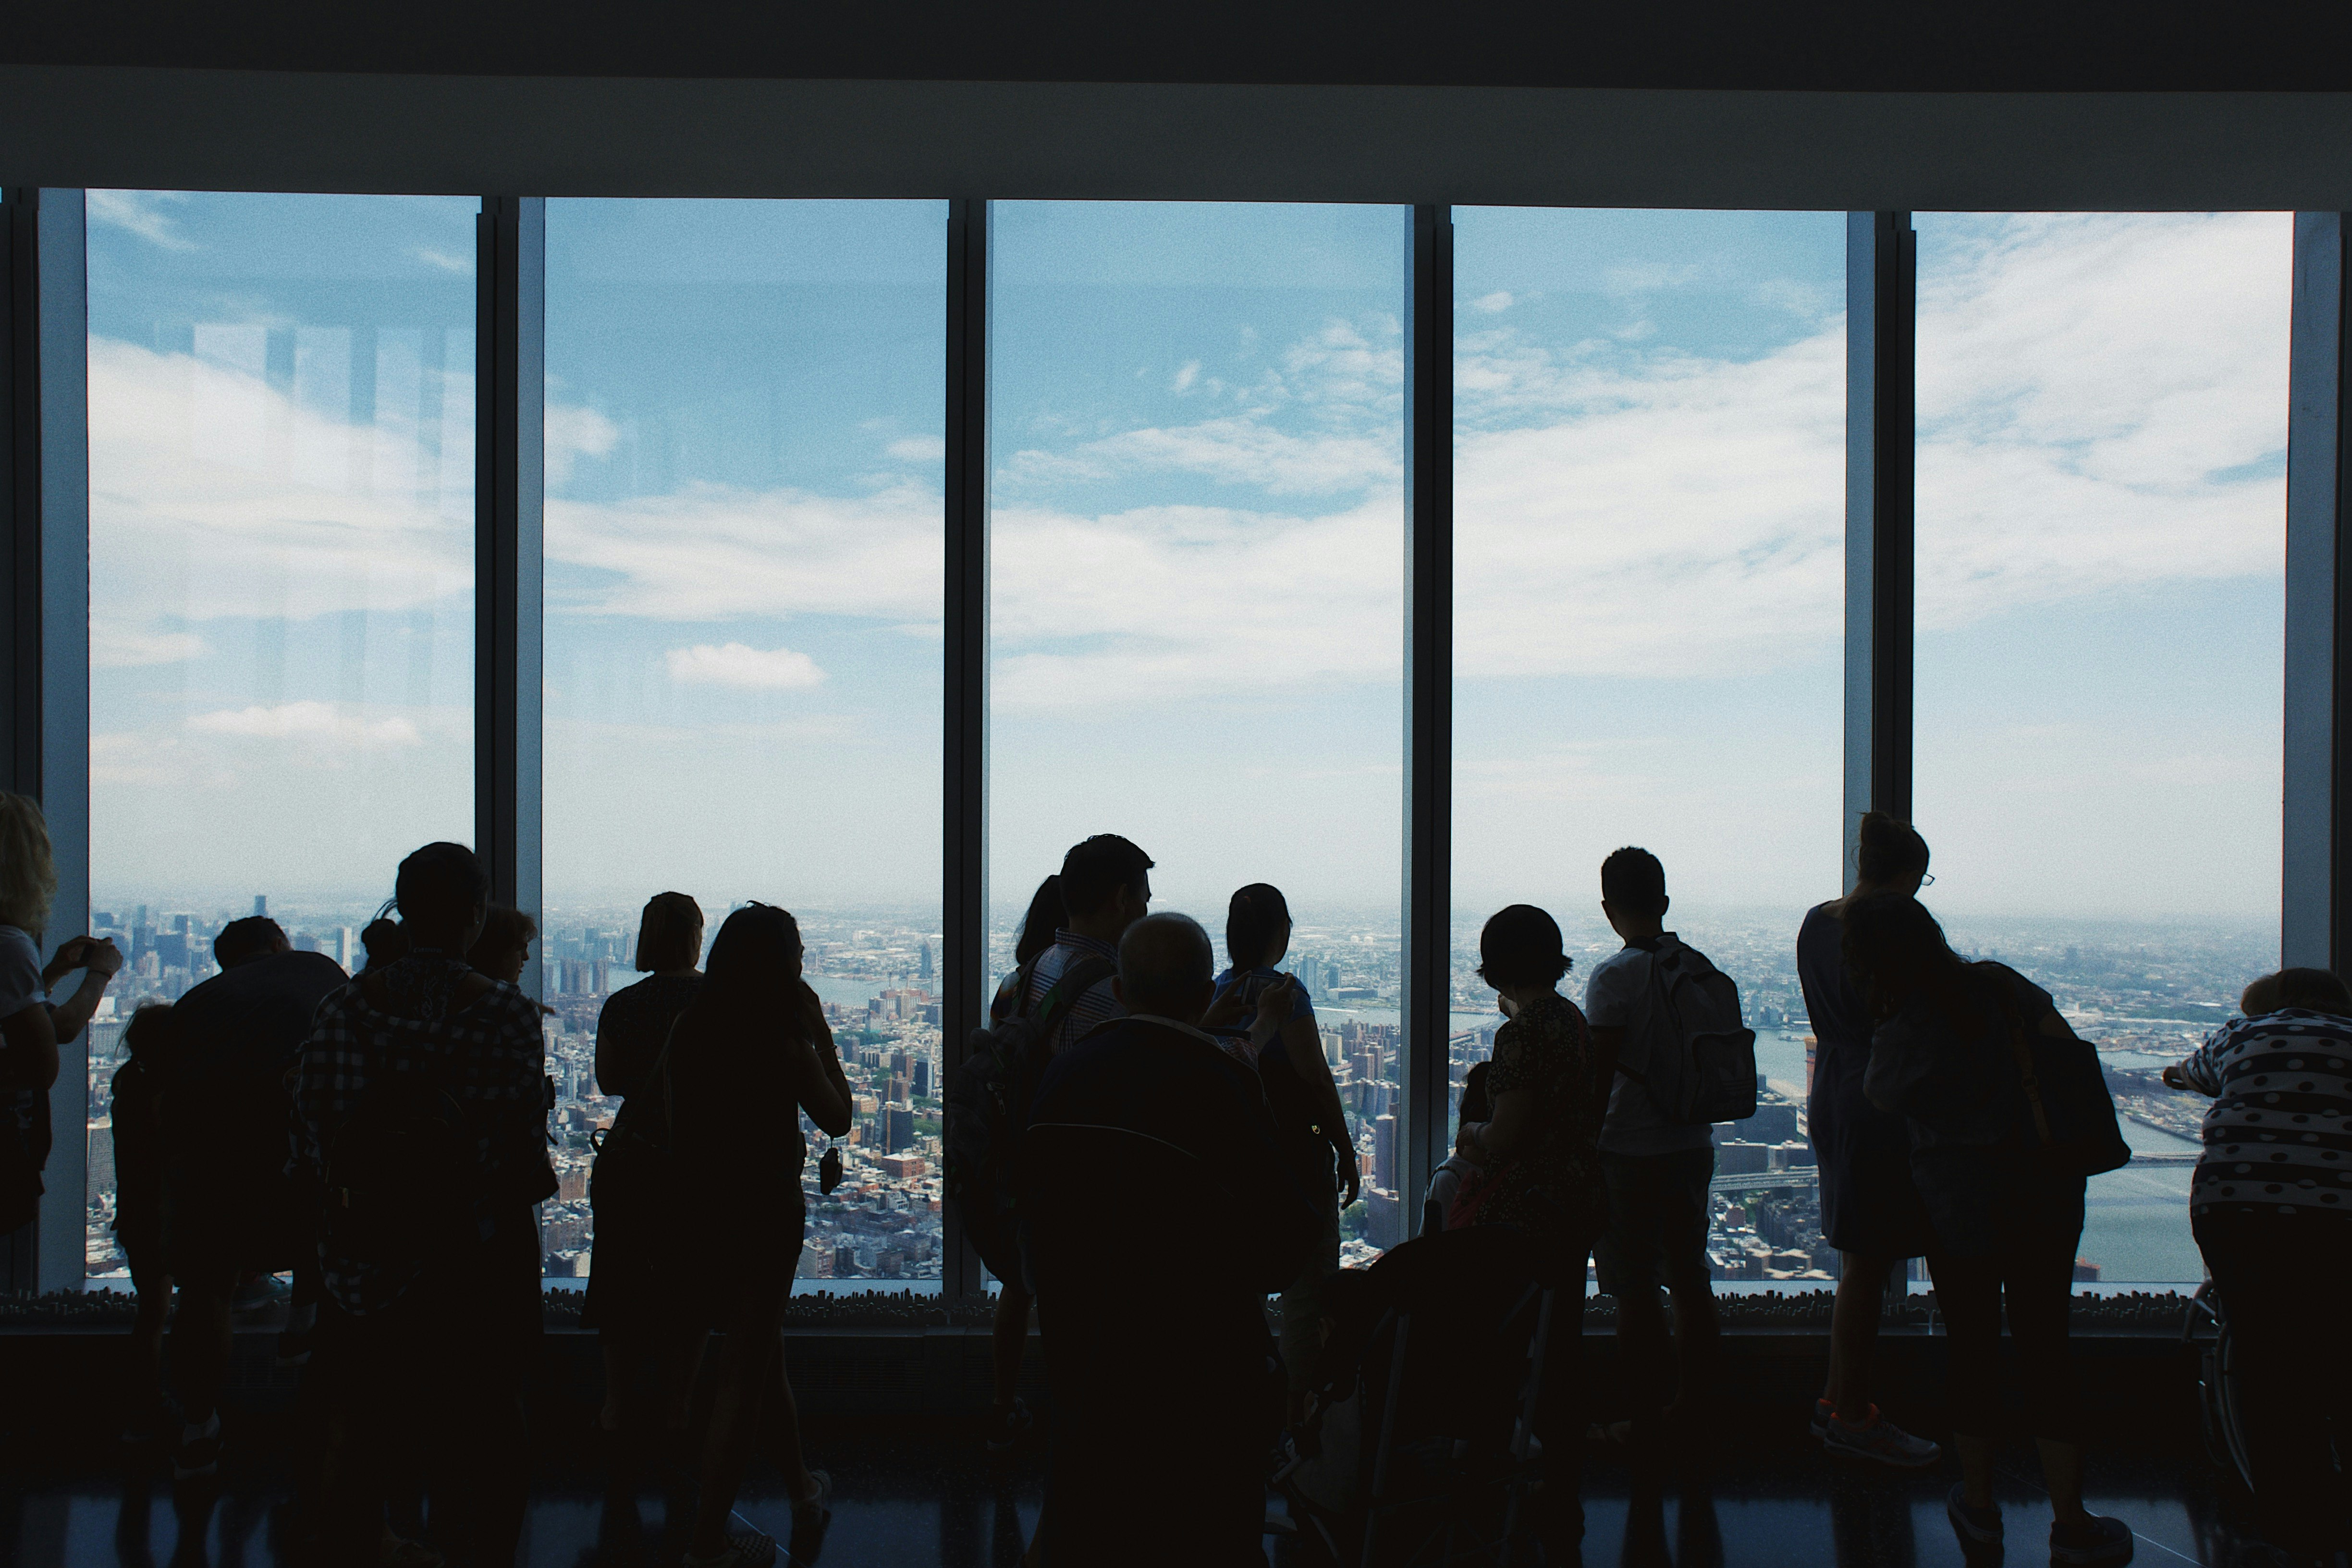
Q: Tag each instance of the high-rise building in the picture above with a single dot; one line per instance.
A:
(1384, 1150)
(261, 906)
(898, 1127)
(923, 970)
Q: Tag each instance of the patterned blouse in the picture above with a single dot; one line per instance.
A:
(2278, 1138)
(1553, 1187)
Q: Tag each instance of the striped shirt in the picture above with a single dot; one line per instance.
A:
(2278, 1138)
(1088, 1012)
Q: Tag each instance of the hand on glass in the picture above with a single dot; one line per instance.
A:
(1274, 1005)
(1352, 1170)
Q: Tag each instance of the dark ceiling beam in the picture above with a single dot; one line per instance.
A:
(1840, 151)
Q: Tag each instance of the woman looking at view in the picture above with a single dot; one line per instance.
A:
(754, 1042)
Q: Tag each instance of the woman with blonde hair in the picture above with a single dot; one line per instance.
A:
(31, 1025)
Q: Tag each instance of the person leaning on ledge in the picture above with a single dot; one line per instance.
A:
(1158, 1360)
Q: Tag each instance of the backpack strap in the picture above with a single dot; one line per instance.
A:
(1072, 983)
(2015, 1025)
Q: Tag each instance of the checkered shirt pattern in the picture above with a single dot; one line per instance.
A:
(495, 1058)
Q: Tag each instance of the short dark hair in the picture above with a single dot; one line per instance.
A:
(1520, 946)
(149, 1032)
(503, 932)
(1887, 851)
(254, 936)
(441, 881)
(1096, 868)
(669, 933)
(1633, 879)
(1256, 912)
(2314, 991)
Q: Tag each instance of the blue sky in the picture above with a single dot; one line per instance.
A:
(1198, 586)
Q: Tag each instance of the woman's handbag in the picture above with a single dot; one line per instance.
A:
(2073, 1129)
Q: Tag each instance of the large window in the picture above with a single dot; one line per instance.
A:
(1197, 584)
(281, 472)
(1649, 557)
(2103, 406)
(743, 592)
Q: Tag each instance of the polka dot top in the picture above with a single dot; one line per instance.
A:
(2278, 1137)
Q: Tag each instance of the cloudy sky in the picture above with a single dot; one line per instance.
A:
(1197, 573)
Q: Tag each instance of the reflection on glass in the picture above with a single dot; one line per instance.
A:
(743, 695)
(2103, 406)
(281, 466)
(1649, 559)
(1197, 584)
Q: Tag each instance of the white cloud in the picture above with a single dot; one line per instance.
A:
(1493, 304)
(1185, 377)
(307, 721)
(214, 495)
(461, 264)
(112, 647)
(574, 432)
(141, 213)
(918, 449)
(737, 665)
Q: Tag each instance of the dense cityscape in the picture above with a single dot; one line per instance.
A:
(2145, 994)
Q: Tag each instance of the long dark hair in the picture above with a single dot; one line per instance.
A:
(1044, 918)
(747, 984)
(1897, 953)
(1255, 914)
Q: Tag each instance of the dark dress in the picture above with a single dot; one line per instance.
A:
(1870, 1204)
(1554, 1188)
(630, 1028)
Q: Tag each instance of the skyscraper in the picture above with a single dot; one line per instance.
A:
(924, 971)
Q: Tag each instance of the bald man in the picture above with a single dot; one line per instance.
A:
(1151, 1278)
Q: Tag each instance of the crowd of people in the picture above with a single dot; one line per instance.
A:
(385, 1136)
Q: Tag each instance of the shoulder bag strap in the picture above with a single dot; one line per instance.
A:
(1072, 983)
(2023, 1051)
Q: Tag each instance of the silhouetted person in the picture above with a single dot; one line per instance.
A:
(1161, 1370)
(1540, 1152)
(31, 1025)
(1456, 1171)
(503, 949)
(1104, 886)
(1008, 1417)
(2272, 1204)
(1307, 1115)
(752, 1051)
(1658, 1169)
(229, 1207)
(135, 1106)
(629, 1291)
(421, 1111)
(1871, 1210)
(2006, 1221)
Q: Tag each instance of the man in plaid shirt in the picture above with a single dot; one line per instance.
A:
(430, 1252)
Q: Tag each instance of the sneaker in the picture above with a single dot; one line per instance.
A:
(1881, 1440)
(1005, 1430)
(1823, 1411)
(1976, 1526)
(258, 1294)
(817, 1504)
(747, 1549)
(198, 1456)
(2096, 1540)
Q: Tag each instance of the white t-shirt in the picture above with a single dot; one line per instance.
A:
(1613, 997)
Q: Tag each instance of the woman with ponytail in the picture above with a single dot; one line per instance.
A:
(1307, 1116)
(1871, 1208)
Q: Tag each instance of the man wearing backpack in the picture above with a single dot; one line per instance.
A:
(1643, 1008)
(1106, 887)
(227, 1203)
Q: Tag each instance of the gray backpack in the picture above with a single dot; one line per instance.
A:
(1686, 1046)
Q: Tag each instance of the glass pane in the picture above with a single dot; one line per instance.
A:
(1649, 559)
(2102, 409)
(744, 587)
(281, 466)
(1197, 583)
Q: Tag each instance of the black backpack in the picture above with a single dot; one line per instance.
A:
(401, 1182)
(2070, 1113)
(1687, 1046)
(988, 1107)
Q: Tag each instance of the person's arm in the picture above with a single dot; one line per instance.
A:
(99, 963)
(1305, 1045)
(2201, 1071)
(824, 1087)
(1511, 1128)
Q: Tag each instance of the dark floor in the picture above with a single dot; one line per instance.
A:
(914, 1500)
